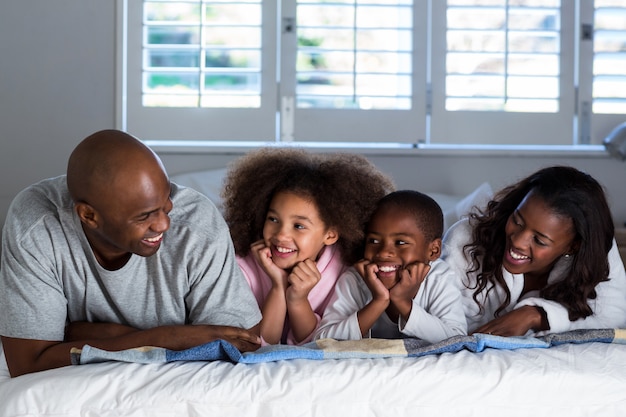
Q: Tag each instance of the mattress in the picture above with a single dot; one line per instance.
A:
(585, 379)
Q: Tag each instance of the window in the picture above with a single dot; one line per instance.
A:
(456, 72)
(608, 73)
(201, 54)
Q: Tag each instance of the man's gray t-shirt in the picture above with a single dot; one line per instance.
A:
(49, 275)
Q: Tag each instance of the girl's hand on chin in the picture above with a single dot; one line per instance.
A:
(263, 255)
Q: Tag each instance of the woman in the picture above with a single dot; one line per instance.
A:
(541, 258)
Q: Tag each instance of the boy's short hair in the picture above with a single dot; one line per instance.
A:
(424, 209)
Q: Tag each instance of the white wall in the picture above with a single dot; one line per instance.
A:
(57, 74)
(56, 85)
(460, 174)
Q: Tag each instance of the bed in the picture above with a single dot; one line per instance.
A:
(587, 378)
(579, 373)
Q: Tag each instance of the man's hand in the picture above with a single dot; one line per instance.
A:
(244, 340)
(26, 355)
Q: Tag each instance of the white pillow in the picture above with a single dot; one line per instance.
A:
(456, 207)
(209, 183)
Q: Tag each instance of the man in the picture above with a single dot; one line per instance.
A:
(115, 256)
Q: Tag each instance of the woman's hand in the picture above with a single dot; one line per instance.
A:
(517, 322)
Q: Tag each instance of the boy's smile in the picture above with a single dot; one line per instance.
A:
(393, 241)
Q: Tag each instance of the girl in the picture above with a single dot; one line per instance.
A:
(540, 258)
(297, 220)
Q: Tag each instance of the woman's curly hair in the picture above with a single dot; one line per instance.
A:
(344, 187)
(570, 193)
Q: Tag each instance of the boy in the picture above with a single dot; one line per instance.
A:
(401, 288)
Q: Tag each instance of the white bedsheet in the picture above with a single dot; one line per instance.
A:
(567, 380)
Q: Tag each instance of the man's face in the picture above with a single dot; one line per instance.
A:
(131, 218)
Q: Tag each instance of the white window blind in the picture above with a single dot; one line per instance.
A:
(504, 73)
(608, 74)
(200, 70)
(354, 54)
(358, 71)
(202, 54)
(609, 64)
(455, 72)
(504, 56)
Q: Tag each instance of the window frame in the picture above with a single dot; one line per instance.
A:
(568, 131)
(234, 124)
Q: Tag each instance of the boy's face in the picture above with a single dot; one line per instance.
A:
(393, 241)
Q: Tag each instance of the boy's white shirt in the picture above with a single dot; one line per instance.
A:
(436, 314)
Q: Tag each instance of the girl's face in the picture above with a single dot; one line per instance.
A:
(394, 241)
(294, 231)
(536, 237)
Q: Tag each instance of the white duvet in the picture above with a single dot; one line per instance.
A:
(567, 380)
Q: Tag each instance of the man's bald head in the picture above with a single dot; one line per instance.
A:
(105, 157)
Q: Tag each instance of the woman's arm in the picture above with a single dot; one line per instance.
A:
(609, 306)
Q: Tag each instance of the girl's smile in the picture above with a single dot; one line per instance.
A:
(294, 231)
(281, 251)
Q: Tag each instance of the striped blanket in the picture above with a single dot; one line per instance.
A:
(335, 349)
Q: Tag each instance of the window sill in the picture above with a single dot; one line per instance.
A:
(381, 149)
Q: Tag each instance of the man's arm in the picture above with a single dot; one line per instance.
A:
(27, 355)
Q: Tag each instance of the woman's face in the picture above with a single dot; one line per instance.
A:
(536, 237)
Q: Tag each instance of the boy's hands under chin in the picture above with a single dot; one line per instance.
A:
(405, 290)
(368, 270)
(411, 278)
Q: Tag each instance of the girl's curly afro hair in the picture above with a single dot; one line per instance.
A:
(344, 187)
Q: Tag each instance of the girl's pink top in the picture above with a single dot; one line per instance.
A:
(330, 266)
